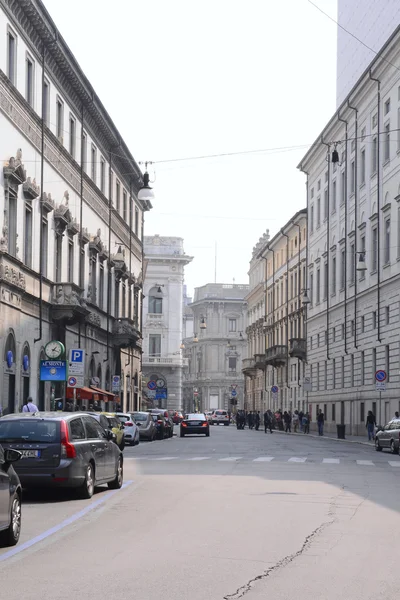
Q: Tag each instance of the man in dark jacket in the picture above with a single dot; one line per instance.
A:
(257, 420)
(267, 422)
(320, 422)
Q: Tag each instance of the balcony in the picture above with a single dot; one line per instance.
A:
(68, 304)
(259, 360)
(165, 361)
(126, 334)
(298, 348)
(248, 366)
(276, 356)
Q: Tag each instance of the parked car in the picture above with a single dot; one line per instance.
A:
(146, 426)
(161, 425)
(220, 416)
(131, 430)
(195, 423)
(209, 414)
(69, 450)
(10, 498)
(176, 416)
(169, 425)
(110, 422)
(389, 437)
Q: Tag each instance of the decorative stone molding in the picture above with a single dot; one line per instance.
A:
(48, 203)
(12, 276)
(93, 319)
(69, 305)
(95, 244)
(119, 263)
(62, 215)
(85, 236)
(125, 333)
(73, 227)
(31, 189)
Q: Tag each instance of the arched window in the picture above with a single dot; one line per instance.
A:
(155, 301)
(99, 374)
(92, 368)
(108, 379)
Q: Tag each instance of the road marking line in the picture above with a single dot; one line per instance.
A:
(331, 461)
(297, 459)
(165, 458)
(394, 464)
(264, 459)
(366, 463)
(62, 525)
(200, 458)
(230, 458)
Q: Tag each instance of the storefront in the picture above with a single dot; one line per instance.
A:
(93, 396)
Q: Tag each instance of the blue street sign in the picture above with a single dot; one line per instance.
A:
(53, 370)
(152, 385)
(161, 394)
(77, 356)
(380, 375)
(233, 393)
(274, 389)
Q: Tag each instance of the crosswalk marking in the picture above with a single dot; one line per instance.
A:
(264, 459)
(230, 458)
(164, 458)
(331, 461)
(200, 458)
(297, 459)
(366, 463)
(394, 464)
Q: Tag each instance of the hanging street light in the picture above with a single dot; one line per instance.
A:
(361, 265)
(203, 324)
(305, 299)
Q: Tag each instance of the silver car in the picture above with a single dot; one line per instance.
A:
(389, 437)
(146, 425)
(131, 430)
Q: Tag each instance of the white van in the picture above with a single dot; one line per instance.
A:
(220, 416)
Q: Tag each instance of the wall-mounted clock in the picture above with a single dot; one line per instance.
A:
(54, 350)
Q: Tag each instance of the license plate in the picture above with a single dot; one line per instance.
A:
(194, 424)
(30, 453)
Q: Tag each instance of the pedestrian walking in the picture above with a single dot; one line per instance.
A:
(257, 420)
(29, 406)
(295, 421)
(306, 423)
(370, 425)
(267, 421)
(250, 420)
(287, 419)
(396, 415)
(320, 422)
(301, 415)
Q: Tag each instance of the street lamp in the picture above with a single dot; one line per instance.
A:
(361, 265)
(305, 299)
(146, 193)
(203, 324)
(195, 338)
(182, 346)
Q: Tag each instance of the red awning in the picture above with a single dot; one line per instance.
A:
(104, 392)
(90, 393)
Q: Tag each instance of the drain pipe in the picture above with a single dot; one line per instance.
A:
(327, 246)
(287, 307)
(38, 339)
(354, 258)
(378, 203)
(345, 227)
(295, 224)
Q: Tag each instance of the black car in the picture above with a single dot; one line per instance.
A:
(195, 423)
(161, 425)
(168, 423)
(10, 498)
(69, 450)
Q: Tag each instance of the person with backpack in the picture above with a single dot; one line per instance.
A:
(29, 406)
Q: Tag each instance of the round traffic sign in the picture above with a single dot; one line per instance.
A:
(233, 393)
(274, 389)
(152, 385)
(72, 381)
(380, 375)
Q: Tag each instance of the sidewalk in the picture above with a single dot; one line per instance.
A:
(354, 439)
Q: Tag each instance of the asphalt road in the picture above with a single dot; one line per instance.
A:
(238, 514)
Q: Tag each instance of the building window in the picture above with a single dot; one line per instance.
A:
(102, 175)
(232, 364)
(398, 232)
(326, 375)
(342, 372)
(116, 298)
(311, 288)
(334, 373)
(30, 81)
(318, 296)
(374, 249)
(362, 167)
(374, 319)
(343, 186)
(333, 334)
(101, 287)
(398, 129)
(318, 212)
(387, 362)
(123, 307)
(374, 155)
(155, 302)
(312, 218)
(386, 138)
(326, 204)
(318, 381)
(319, 185)
(363, 134)
(125, 206)
(326, 282)
(60, 119)
(386, 251)
(374, 120)
(352, 327)
(118, 197)
(46, 102)
(352, 262)
(333, 197)
(343, 330)
(312, 192)
(93, 163)
(362, 368)
(232, 325)
(333, 275)
(12, 225)
(342, 269)
(45, 246)
(362, 324)
(11, 56)
(352, 177)
(352, 370)
(387, 106)
(387, 315)
(28, 236)
(362, 412)
(137, 221)
(362, 250)
(84, 151)
(93, 278)
(72, 135)
(58, 258)
(70, 260)
(333, 412)
(373, 363)
(155, 344)
(82, 266)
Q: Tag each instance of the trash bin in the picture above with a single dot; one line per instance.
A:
(341, 432)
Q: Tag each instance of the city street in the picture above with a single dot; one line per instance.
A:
(238, 514)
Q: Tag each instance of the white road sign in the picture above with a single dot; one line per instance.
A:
(380, 386)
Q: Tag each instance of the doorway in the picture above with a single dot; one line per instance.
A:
(387, 413)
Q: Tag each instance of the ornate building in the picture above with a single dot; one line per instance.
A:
(163, 363)
(71, 223)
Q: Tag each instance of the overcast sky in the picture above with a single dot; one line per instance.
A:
(184, 79)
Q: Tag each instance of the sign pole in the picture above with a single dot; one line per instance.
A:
(74, 392)
(380, 408)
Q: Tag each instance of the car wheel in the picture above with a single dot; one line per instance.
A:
(121, 446)
(208, 434)
(87, 489)
(116, 483)
(393, 448)
(378, 447)
(182, 434)
(10, 536)
(226, 424)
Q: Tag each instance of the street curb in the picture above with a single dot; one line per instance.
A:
(326, 437)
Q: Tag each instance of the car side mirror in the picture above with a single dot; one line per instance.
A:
(110, 435)
(122, 426)
(11, 455)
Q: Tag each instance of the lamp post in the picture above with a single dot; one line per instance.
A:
(306, 301)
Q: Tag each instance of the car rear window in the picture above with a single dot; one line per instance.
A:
(195, 417)
(221, 413)
(140, 417)
(29, 430)
(123, 418)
